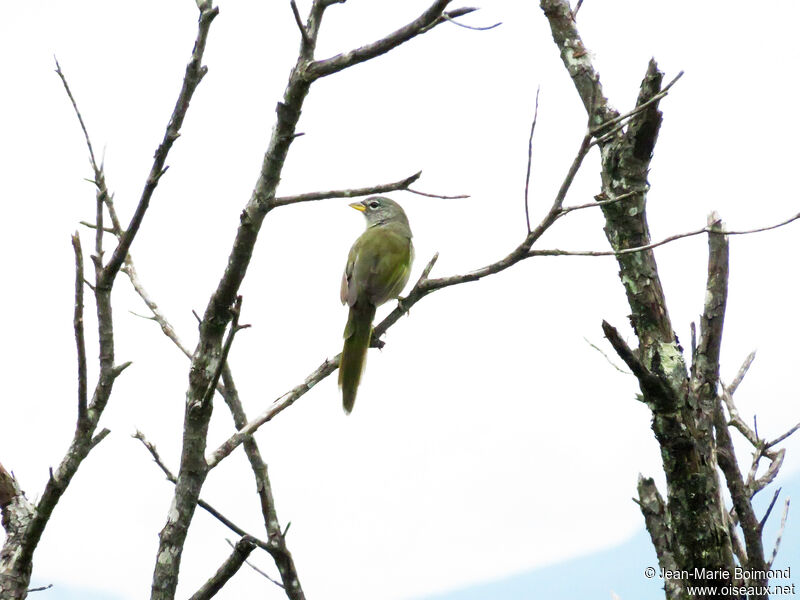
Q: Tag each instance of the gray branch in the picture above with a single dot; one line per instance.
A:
(226, 570)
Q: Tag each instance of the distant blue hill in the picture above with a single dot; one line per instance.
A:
(621, 569)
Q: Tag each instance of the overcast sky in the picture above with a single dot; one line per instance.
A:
(488, 436)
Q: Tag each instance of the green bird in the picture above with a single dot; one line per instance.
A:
(377, 270)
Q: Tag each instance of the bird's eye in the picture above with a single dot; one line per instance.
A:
(373, 204)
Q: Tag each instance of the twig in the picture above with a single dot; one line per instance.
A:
(429, 195)
(447, 17)
(77, 322)
(93, 226)
(41, 588)
(348, 193)
(576, 9)
(297, 19)
(195, 72)
(78, 114)
(619, 122)
(741, 373)
(226, 348)
(228, 569)
(602, 202)
(769, 508)
(530, 160)
(780, 533)
(666, 240)
(201, 503)
(611, 362)
(280, 404)
(780, 438)
(256, 569)
(433, 16)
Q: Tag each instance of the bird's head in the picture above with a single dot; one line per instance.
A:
(379, 211)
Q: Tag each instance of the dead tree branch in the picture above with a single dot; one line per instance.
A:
(226, 570)
(351, 193)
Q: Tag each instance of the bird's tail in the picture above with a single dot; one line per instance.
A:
(357, 334)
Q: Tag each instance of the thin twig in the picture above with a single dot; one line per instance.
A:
(78, 114)
(429, 19)
(443, 197)
(780, 438)
(666, 240)
(195, 71)
(226, 348)
(256, 569)
(472, 27)
(620, 120)
(780, 533)
(769, 508)
(600, 201)
(611, 362)
(530, 160)
(297, 19)
(576, 9)
(741, 373)
(348, 193)
(201, 503)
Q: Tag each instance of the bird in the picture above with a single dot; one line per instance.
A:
(377, 270)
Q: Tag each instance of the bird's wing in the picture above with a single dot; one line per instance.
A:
(348, 274)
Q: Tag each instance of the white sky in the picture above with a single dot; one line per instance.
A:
(488, 436)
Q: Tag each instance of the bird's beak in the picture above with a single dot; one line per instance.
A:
(358, 206)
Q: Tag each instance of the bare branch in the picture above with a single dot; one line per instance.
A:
(769, 508)
(742, 372)
(604, 355)
(706, 364)
(780, 533)
(299, 21)
(77, 322)
(227, 570)
(447, 17)
(780, 438)
(433, 16)
(654, 388)
(201, 503)
(530, 159)
(256, 569)
(601, 200)
(348, 193)
(234, 329)
(666, 240)
(195, 72)
(736, 420)
(619, 122)
(739, 491)
(656, 520)
(80, 117)
(443, 197)
(281, 403)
